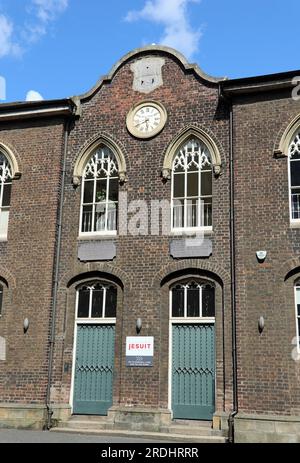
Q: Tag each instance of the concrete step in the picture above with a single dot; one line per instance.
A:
(85, 424)
(90, 418)
(195, 430)
(156, 436)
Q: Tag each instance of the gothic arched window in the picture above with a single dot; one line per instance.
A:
(5, 194)
(192, 186)
(100, 187)
(294, 176)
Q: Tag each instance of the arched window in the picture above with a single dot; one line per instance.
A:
(99, 205)
(192, 186)
(193, 299)
(297, 304)
(96, 300)
(294, 176)
(5, 194)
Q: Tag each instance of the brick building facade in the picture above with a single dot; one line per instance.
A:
(82, 260)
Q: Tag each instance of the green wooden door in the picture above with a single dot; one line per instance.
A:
(94, 367)
(193, 371)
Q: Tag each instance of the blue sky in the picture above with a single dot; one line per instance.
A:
(60, 48)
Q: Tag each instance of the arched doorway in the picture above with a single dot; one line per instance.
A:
(93, 363)
(192, 349)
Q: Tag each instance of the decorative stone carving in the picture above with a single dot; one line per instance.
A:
(166, 174)
(217, 170)
(147, 74)
(122, 177)
(76, 180)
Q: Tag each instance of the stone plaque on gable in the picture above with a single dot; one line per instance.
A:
(147, 74)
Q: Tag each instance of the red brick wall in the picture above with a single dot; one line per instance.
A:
(268, 376)
(28, 256)
(140, 259)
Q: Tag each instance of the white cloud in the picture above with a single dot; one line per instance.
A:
(40, 15)
(44, 12)
(172, 14)
(47, 10)
(7, 44)
(32, 95)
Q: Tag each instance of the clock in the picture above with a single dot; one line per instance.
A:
(146, 119)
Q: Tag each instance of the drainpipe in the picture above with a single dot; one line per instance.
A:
(233, 286)
(48, 423)
(232, 274)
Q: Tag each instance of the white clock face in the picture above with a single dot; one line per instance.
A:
(146, 119)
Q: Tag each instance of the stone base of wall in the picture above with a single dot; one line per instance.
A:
(28, 416)
(139, 419)
(266, 428)
(21, 416)
(61, 413)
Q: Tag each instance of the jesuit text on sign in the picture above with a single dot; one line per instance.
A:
(139, 351)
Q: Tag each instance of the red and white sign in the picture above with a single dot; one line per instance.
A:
(139, 351)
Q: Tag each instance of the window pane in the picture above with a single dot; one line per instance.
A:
(193, 299)
(178, 185)
(6, 194)
(4, 214)
(208, 301)
(83, 303)
(97, 303)
(193, 163)
(112, 216)
(88, 174)
(206, 212)
(101, 191)
(192, 213)
(178, 167)
(178, 213)
(206, 183)
(295, 200)
(113, 189)
(192, 184)
(295, 173)
(88, 191)
(111, 302)
(87, 215)
(178, 302)
(298, 300)
(100, 217)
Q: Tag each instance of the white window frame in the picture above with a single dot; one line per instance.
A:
(297, 317)
(185, 318)
(290, 160)
(94, 204)
(186, 229)
(91, 319)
